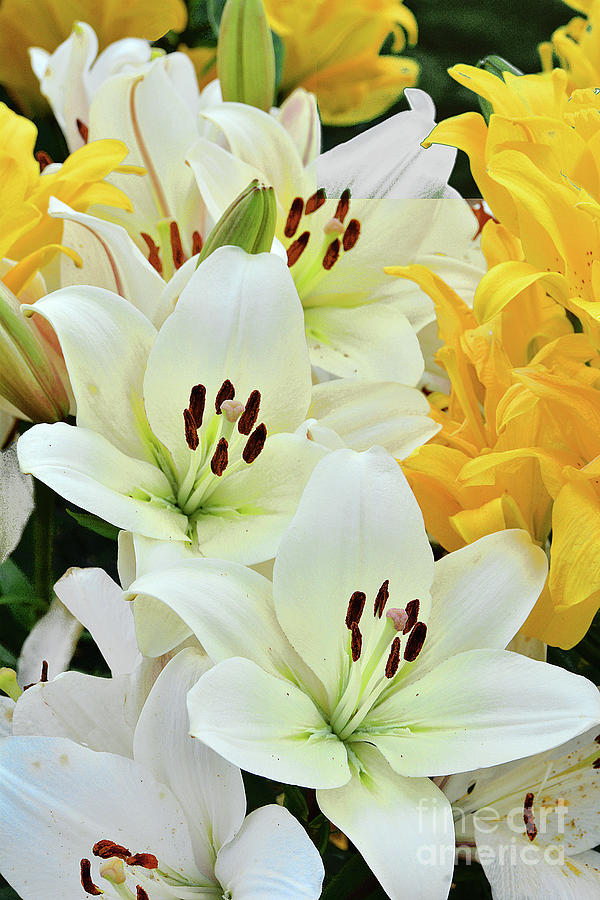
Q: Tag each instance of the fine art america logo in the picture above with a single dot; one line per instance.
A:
(493, 837)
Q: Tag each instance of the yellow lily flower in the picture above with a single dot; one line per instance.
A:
(47, 23)
(332, 49)
(538, 167)
(519, 441)
(33, 373)
(577, 46)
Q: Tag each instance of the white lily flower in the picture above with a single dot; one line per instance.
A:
(70, 76)
(357, 321)
(169, 219)
(369, 668)
(533, 824)
(168, 823)
(185, 434)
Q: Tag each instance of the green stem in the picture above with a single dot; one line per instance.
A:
(43, 542)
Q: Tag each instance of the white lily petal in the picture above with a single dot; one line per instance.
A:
(140, 110)
(106, 342)
(97, 602)
(16, 501)
(402, 826)
(403, 168)
(86, 469)
(259, 501)
(52, 639)
(7, 708)
(220, 176)
(357, 525)
(503, 573)
(372, 341)
(227, 606)
(266, 725)
(259, 140)
(63, 76)
(110, 260)
(95, 712)
(60, 799)
(299, 115)
(480, 708)
(239, 318)
(209, 789)
(271, 858)
(364, 413)
(518, 868)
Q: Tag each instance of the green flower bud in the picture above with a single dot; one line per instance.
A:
(245, 54)
(28, 377)
(248, 223)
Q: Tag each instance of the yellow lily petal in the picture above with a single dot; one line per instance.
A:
(575, 562)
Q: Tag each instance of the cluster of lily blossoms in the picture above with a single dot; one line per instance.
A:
(206, 349)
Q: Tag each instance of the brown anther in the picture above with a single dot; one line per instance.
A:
(343, 206)
(315, 201)
(225, 392)
(294, 216)
(412, 611)
(248, 418)
(255, 443)
(597, 739)
(191, 431)
(351, 235)
(86, 879)
(197, 402)
(43, 158)
(153, 254)
(331, 255)
(295, 250)
(356, 604)
(176, 246)
(218, 463)
(146, 860)
(596, 763)
(83, 130)
(382, 598)
(393, 661)
(44, 673)
(530, 826)
(197, 242)
(356, 642)
(106, 849)
(415, 642)
(140, 893)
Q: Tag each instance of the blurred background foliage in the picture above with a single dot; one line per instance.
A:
(449, 32)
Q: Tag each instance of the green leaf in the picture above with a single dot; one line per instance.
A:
(319, 831)
(353, 875)
(279, 50)
(14, 582)
(295, 801)
(93, 523)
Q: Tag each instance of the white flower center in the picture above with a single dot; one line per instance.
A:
(317, 248)
(392, 641)
(140, 876)
(225, 441)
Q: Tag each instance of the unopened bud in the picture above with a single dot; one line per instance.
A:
(495, 65)
(8, 683)
(29, 379)
(248, 223)
(245, 54)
